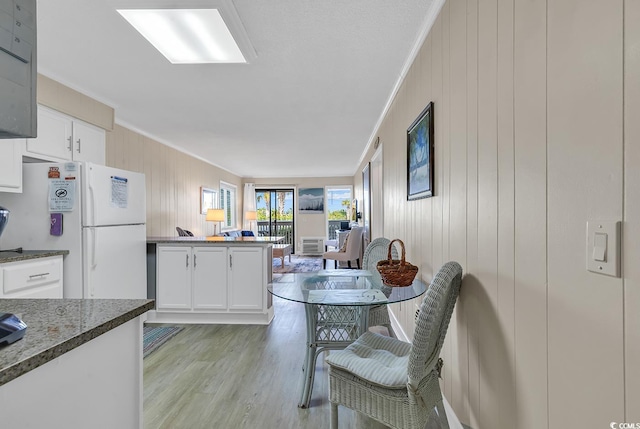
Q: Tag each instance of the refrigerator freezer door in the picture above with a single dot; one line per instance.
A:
(112, 196)
(115, 264)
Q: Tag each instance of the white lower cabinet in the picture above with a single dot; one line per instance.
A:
(211, 284)
(174, 279)
(210, 278)
(32, 278)
(245, 285)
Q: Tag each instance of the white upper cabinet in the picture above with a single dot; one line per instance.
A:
(11, 165)
(63, 138)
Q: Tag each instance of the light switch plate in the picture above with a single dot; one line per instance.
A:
(603, 247)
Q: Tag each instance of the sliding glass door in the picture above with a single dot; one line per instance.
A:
(275, 213)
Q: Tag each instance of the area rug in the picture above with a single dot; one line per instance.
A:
(298, 264)
(155, 336)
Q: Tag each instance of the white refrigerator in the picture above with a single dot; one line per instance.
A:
(103, 213)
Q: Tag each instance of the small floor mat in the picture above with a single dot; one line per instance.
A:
(155, 336)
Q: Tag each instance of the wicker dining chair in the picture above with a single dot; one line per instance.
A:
(376, 251)
(394, 382)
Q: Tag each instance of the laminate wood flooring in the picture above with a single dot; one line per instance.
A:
(237, 376)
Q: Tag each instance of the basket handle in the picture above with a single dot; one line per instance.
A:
(402, 261)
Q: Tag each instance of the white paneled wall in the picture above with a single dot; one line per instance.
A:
(173, 182)
(536, 130)
(631, 204)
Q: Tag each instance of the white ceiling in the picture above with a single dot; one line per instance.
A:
(306, 106)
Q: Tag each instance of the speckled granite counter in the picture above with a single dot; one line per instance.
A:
(29, 254)
(56, 326)
(214, 240)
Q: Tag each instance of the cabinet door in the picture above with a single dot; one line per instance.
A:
(209, 278)
(88, 143)
(173, 278)
(246, 280)
(54, 136)
(11, 165)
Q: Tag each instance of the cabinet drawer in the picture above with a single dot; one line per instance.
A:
(19, 276)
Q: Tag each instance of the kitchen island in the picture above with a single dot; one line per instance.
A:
(210, 279)
(79, 364)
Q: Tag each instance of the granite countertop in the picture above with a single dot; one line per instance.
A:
(29, 254)
(215, 240)
(56, 326)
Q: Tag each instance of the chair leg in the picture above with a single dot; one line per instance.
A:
(334, 416)
(349, 264)
(324, 264)
(335, 264)
(358, 262)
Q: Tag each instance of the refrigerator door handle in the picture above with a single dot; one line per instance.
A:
(93, 248)
(92, 198)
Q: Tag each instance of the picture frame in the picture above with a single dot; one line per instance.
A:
(311, 200)
(207, 199)
(420, 156)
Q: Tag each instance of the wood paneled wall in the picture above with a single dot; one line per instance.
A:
(536, 131)
(173, 181)
(67, 100)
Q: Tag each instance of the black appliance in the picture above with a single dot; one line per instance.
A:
(11, 328)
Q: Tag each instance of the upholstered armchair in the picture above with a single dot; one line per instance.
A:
(350, 252)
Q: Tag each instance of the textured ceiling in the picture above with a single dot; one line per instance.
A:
(305, 106)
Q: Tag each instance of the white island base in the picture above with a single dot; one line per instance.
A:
(200, 281)
(97, 385)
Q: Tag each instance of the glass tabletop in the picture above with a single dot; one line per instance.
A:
(341, 287)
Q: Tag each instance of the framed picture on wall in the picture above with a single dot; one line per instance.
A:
(420, 156)
(207, 199)
(311, 200)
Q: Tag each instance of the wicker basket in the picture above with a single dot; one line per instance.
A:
(396, 272)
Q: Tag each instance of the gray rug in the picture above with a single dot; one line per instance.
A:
(155, 336)
(298, 264)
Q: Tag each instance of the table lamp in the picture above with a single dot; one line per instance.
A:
(215, 215)
(251, 215)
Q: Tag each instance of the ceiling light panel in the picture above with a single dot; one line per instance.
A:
(186, 36)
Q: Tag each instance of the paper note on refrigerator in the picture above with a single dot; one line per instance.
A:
(62, 195)
(119, 192)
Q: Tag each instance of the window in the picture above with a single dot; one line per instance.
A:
(228, 203)
(339, 207)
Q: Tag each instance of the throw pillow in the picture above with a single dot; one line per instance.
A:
(344, 245)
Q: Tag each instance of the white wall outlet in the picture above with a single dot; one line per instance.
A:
(603, 247)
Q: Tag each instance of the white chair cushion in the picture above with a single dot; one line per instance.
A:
(379, 359)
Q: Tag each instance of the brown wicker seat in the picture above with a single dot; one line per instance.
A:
(394, 382)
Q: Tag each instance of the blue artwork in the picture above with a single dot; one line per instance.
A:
(311, 200)
(420, 156)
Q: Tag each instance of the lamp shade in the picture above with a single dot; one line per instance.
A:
(251, 215)
(215, 215)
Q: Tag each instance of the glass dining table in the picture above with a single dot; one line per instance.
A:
(337, 304)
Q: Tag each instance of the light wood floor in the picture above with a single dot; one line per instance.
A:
(237, 376)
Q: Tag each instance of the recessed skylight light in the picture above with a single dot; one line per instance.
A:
(186, 36)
